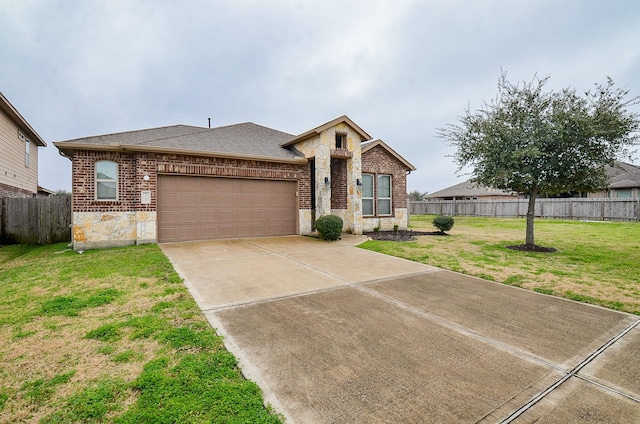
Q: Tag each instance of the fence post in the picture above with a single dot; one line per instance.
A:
(3, 217)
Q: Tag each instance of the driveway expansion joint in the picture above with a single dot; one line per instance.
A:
(574, 373)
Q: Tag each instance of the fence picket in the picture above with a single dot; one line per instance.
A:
(571, 208)
(41, 220)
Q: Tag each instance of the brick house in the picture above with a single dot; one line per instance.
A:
(183, 183)
(19, 144)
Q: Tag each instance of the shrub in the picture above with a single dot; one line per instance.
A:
(443, 223)
(329, 227)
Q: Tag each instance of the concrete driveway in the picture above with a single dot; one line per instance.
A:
(337, 334)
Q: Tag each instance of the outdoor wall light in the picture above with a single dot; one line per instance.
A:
(326, 181)
(358, 182)
(146, 178)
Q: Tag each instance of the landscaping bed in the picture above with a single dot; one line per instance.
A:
(401, 235)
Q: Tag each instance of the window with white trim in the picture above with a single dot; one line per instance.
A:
(384, 194)
(27, 153)
(106, 180)
(367, 194)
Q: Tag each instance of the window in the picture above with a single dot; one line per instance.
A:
(376, 203)
(624, 194)
(384, 194)
(27, 152)
(367, 194)
(341, 140)
(106, 180)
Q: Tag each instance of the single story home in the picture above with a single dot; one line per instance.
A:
(182, 183)
(468, 190)
(624, 182)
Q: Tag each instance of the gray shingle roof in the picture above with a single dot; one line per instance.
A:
(247, 139)
(624, 175)
(468, 189)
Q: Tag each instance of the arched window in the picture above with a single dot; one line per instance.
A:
(106, 180)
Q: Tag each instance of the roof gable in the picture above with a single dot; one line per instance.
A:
(13, 114)
(368, 146)
(318, 130)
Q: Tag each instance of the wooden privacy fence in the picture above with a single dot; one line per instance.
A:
(571, 208)
(37, 220)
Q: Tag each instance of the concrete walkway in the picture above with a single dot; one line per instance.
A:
(337, 334)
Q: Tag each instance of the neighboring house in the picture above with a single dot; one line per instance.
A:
(624, 182)
(19, 144)
(182, 183)
(467, 190)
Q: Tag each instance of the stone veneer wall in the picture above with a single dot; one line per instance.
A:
(93, 230)
(319, 147)
(386, 223)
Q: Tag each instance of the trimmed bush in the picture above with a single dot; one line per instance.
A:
(329, 227)
(443, 223)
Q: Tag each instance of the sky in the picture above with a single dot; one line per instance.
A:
(400, 69)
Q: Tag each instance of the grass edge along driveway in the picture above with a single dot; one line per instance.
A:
(596, 262)
(111, 336)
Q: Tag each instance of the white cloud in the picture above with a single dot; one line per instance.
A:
(400, 69)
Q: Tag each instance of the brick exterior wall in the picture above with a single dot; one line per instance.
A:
(379, 161)
(10, 191)
(338, 183)
(132, 167)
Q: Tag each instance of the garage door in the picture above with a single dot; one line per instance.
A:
(201, 208)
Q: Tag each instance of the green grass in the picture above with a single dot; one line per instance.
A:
(111, 336)
(595, 262)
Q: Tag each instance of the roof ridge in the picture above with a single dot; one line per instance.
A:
(132, 132)
(252, 123)
(202, 130)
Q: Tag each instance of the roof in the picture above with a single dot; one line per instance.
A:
(246, 140)
(468, 189)
(45, 190)
(370, 145)
(623, 175)
(12, 112)
(313, 132)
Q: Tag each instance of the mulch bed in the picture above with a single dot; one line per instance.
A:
(410, 235)
(402, 235)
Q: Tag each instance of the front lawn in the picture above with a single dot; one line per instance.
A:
(596, 262)
(111, 336)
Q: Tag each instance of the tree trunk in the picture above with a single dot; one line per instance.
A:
(531, 213)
